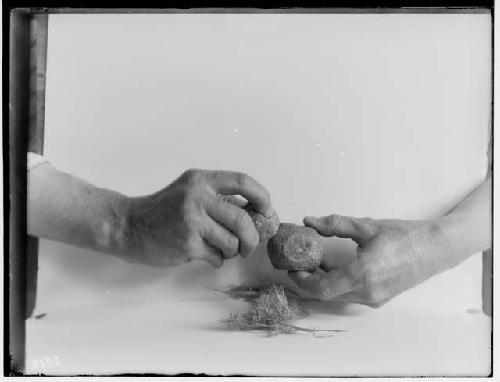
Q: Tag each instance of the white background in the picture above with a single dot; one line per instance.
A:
(368, 115)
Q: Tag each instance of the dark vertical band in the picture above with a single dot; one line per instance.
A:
(38, 53)
(19, 102)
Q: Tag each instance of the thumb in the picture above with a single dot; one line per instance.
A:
(357, 229)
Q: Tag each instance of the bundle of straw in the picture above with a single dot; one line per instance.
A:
(272, 310)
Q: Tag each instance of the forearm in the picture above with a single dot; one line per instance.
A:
(467, 228)
(65, 208)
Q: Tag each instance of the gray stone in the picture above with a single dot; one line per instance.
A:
(295, 248)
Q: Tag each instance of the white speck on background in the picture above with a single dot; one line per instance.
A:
(235, 130)
(341, 153)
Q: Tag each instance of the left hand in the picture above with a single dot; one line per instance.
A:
(392, 256)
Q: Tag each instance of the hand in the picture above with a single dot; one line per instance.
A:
(193, 219)
(392, 256)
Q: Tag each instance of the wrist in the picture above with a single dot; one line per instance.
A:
(453, 232)
(113, 233)
(430, 246)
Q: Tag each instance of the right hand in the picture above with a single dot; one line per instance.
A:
(192, 219)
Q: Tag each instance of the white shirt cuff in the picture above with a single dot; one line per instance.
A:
(35, 160)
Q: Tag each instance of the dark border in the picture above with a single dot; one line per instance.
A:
(18, 122)
(15, 181)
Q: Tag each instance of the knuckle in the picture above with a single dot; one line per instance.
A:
(367, 225)
(375, 295)
(190, 228)
(249, 241)
(353, 274)
(334, 220)
(377, 305)
(254, 239)
(191, 203)
(359, 224)
(368, 279)
(242, 179)
(215, 176)
(191, 175)
(241, 220)
(186, 245)
(248, 246)
(365, 221)
(330, 220)
(232, 244)
(187, 209)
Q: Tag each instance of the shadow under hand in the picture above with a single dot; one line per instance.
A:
(334, 308)
(337, 253)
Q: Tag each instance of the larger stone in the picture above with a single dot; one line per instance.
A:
(295, 248)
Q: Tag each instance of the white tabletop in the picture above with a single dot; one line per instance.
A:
(430, 330)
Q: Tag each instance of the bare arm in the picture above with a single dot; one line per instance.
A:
(65, 208)
(468, 226)
(395, 255)
(187, 220)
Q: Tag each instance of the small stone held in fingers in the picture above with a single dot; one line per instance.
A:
(266, 227)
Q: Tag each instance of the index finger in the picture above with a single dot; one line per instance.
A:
(238, 183)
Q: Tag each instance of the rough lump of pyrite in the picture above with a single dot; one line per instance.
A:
(265, 226)
(295, 248)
